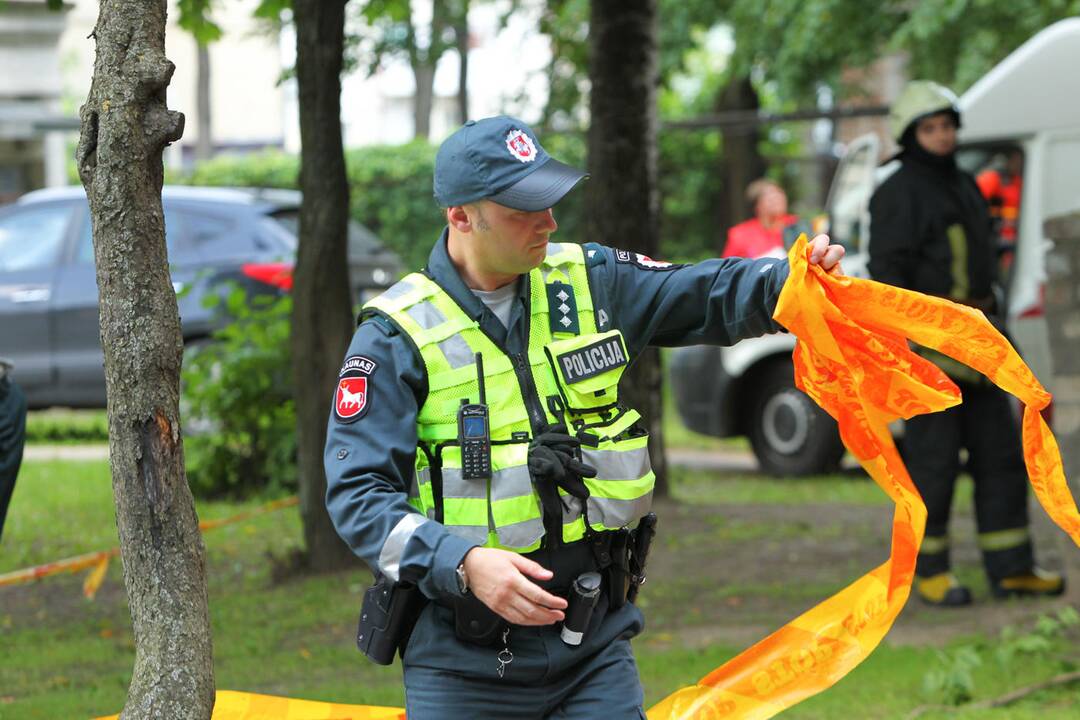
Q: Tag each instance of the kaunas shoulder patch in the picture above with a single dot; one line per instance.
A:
(591, 360)
(644, 261)
(353, 388)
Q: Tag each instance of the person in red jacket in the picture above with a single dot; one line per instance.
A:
(762, 234)
(1002, 190)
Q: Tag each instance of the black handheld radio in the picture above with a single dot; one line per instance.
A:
(474, 435)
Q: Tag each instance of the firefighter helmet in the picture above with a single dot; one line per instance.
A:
(920, 99)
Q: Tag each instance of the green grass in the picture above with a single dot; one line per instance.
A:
(65, 657)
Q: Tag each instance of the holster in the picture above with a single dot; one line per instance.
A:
(387, 617)
(617, 573)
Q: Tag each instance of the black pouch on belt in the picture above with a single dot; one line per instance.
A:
(474, 622)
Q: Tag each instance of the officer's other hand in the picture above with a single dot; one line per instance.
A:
(826, 255)
(498, 579)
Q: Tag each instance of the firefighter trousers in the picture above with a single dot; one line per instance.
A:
(986, 426)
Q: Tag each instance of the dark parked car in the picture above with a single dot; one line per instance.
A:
(215, 237)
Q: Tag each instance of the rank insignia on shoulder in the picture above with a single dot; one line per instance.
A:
(562, 309)
(353, 389)
(644, 261)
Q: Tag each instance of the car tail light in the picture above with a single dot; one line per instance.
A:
(280, 275)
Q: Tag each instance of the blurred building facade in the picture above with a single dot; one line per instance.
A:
(31, 88)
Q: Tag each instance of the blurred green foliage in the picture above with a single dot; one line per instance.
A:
(390, 190)
(237, 401)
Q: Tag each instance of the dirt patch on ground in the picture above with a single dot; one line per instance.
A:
(731, 574)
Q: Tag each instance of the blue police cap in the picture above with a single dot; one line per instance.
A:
(500, 159)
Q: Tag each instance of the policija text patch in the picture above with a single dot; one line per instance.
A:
(353, 389)
(591, 360)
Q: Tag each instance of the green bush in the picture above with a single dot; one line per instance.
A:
(238, 402)
(71, 426)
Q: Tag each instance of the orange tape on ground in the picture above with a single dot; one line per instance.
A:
(231, 705)
(99, 561)
(852, 357)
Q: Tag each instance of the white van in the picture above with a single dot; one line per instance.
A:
(1030, 101)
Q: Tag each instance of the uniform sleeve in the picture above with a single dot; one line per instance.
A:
(369, 461)
(893, 251)
(714, 302)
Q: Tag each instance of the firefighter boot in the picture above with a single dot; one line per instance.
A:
(1035, 582)
(943, 590)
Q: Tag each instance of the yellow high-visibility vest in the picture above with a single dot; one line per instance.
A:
(570, 374)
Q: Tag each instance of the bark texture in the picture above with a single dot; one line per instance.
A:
(125, 127)
(622, 197)
(322, 305)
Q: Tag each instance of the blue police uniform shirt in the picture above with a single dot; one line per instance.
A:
(370, 462)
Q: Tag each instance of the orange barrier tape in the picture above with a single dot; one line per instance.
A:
(231, 705)
(853, 359)
(99, 561)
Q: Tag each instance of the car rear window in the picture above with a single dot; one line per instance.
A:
(361, 240)
(32, 237)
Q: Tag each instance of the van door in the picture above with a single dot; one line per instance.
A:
(1051, 188)
(32, 239)
(848, 204)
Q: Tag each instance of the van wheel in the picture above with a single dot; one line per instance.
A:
(789, 433)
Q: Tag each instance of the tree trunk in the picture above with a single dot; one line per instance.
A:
(461, 36)
(322, 303)
(125, 127)
(622, 196)
(204, 143)
(741, 162)
(424, 75)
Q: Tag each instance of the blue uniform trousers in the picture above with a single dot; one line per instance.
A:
(448, 679)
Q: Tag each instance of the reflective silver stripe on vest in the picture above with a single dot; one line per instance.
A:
(394, 547)
(554, 249)
(426, 315)
(510, 482)
(618, 464)
(521, 534)
(457, 352)
(618, 513)
(397, 290)
(455, 486)
(473, 533)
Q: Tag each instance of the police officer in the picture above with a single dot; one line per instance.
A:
(930, 231)
(12, 436)
(494, 514)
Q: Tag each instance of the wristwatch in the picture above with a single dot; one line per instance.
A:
(462, 578)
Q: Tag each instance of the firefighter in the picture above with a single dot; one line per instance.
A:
(501, 492)
(930, 231)
(1003, 189)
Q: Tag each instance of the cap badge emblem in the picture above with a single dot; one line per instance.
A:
(520, 146)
